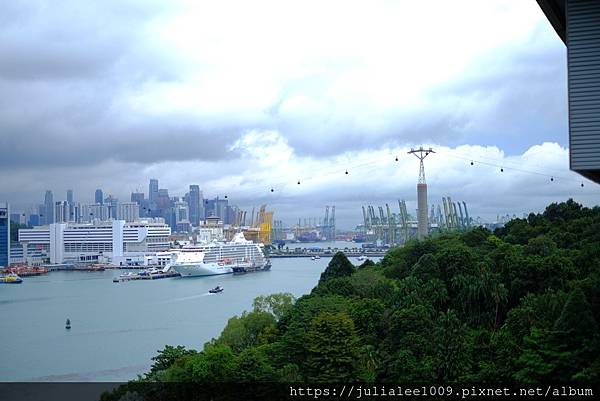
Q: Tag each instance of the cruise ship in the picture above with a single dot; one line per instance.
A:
(237, 256)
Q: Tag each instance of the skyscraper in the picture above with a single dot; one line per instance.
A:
(195, 204)
(4, 235)
(70, 196)
(99, 198)
(153, 192)
(48, 207)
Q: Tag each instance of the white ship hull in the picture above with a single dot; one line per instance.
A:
(201, 269)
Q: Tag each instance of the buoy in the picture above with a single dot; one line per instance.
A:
(68, 325)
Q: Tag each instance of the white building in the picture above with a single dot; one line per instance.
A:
(116, 242)
(62, 212)
(211, 229)
(89, 213)
(128, 211)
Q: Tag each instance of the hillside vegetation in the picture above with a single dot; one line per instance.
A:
(520, 305)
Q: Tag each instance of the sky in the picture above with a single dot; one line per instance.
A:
(244, 97)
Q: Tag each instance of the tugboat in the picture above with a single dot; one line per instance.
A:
(68, 325)
(216, 290)
(10, 278)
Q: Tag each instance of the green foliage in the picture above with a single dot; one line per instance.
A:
(245, 331)
(332, 344)
(339, 266)
(165, 358)
(519, 305)
(277, 304)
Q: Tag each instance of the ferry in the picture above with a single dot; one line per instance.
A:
(10, 278)
(239, 255)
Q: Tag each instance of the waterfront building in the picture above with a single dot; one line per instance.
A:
(116, 242)
(210, 230)
(128, 211)
(98, 197)
(4, 235)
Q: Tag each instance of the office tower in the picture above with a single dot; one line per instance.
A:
(153, 192)
(48, 207)
(4, 235)
(70, 196)
(99, 198)
(194, 203)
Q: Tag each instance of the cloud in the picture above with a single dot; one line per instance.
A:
(241, 97)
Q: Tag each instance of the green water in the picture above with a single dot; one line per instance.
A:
(117, 327)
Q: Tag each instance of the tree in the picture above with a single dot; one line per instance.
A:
(165, 358)
(277, 304)
(339, 266)
(216, 363)
(333, 349)
(244, 331)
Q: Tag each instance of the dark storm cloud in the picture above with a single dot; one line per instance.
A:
(64, 70)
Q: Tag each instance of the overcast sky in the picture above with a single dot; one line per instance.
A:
(241, 97)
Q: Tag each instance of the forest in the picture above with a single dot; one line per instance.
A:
(517, 305)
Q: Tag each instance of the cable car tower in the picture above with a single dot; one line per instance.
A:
(422, 223)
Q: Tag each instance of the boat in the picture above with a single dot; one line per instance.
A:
(218, 257)
(68, 325)
(317, 257)
(216, 290)
(313, 258)
(10, 278)
(361, 258)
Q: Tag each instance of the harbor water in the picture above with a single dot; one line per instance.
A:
(117, 327)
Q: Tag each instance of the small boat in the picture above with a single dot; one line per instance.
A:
(313, 258)
(361, 258)
(68, 325)
(216, 290)
(317, 257)
(11, 278)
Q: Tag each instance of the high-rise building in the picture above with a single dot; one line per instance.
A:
(163, 202)
(153, 192)
(195, 203)
(48, 208)
(128, 211)
(112, 203)
(70, 196)
(61, 212)
(137, 197)
(99, 198)
(4, 235)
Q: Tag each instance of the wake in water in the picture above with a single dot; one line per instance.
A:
(185, 298)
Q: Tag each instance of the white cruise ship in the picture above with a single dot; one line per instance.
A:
(239, 255)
